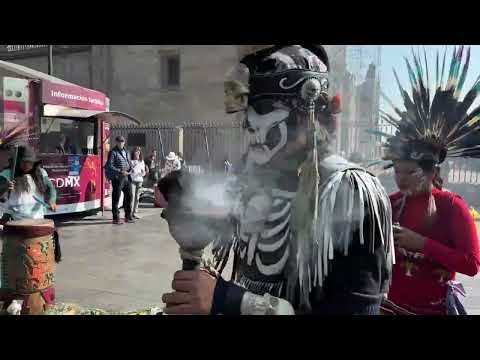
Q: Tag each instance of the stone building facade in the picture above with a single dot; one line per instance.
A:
(174, 84)
(360, 95)
(180, 84)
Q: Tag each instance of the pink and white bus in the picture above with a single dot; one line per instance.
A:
(70, 126)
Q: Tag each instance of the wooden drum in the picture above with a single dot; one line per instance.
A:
(28, 263)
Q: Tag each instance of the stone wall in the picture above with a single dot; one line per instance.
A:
(71, 67)
(131, 76)
(136, 82)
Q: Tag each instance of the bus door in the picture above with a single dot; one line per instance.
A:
(104, 145)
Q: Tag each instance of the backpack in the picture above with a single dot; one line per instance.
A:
(110, 174)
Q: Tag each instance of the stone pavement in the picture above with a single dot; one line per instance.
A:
(118, 268)
(128, 267)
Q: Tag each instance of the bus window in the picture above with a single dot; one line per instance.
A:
(67, 136)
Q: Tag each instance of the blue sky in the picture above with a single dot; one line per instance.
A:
(393, 57)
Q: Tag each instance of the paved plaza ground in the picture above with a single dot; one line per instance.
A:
(118, 268)
(128, 267)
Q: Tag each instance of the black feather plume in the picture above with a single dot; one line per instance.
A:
(439, 124)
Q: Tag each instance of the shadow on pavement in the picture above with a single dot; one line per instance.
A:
(83, 223)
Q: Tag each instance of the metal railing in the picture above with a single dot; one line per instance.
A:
(462, 171)
(209, 144)
(206, 145)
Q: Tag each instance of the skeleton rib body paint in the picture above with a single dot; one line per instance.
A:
(264, 241)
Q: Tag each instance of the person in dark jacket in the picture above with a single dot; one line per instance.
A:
(312, 232)
(119, 163)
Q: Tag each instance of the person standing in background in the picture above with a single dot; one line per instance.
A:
(119, 169)
(182, 159)
(228, 167)
(172, 163)
(151, 167)
(138, 173)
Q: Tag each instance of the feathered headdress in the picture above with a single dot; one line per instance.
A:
(434, 126)
(13, 136)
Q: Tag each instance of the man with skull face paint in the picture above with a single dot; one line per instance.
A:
(313, 232)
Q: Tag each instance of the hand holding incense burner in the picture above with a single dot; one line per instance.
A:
(197, 213)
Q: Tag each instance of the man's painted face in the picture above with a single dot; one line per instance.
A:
(410, 178)
(267, 91)
(267, 134)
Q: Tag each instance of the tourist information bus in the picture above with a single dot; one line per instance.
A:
(70, 128)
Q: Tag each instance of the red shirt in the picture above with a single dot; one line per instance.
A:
(419, 279)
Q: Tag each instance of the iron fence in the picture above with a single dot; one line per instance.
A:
(462, 171)
(209, 144)
(205, 145)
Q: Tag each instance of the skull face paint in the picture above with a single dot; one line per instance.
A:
(268, 135)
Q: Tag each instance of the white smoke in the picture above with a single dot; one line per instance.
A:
(209, 203)
(210, 194)
(206, 207)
